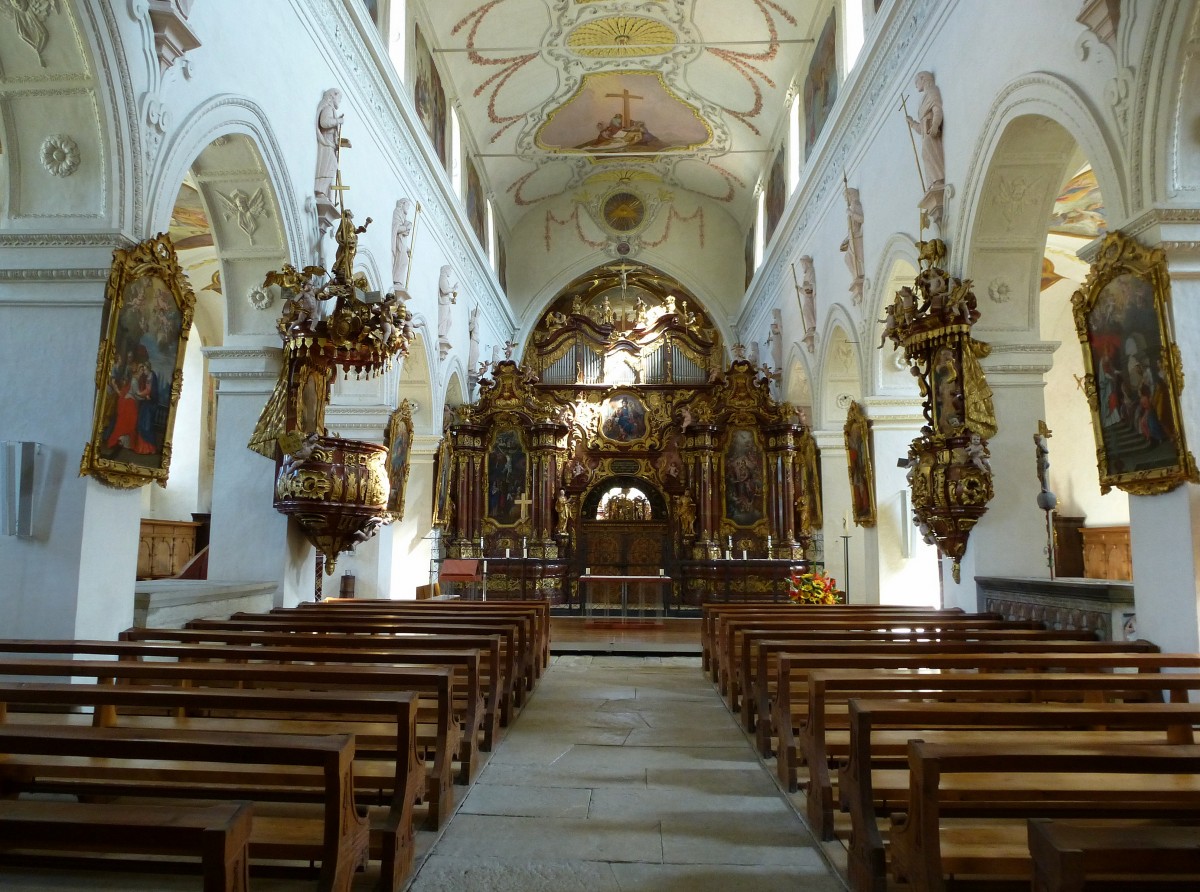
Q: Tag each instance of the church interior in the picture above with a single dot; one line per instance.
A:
(630, 324)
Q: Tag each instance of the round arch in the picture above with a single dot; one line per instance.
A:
(591, 499)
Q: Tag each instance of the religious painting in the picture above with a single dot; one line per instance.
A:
(776, 196)
(1134, 374)
(398, 440)
(1079, 209)
(443, 505)
(623, 418)
(507, 479)
(148, 307)
(749, 257)
(860, 466)
(476, 203)
(623, 114)
(501, 262)
(810, 513)
(821, 85)
(429, 97)
(745, 479)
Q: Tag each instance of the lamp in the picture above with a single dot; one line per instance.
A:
(18, 470)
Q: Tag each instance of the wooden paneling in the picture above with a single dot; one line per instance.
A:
(164, 547)
(1106, 553)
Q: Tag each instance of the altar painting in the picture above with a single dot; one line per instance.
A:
(623, 418)
(507, 469)
(744, 479)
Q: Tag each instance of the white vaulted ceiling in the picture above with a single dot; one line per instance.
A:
(541, 87)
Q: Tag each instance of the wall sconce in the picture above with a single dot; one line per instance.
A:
(18, 471)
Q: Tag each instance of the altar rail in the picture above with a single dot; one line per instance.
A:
(1104, 607)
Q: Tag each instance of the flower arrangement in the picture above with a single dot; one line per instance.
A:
(814, 588)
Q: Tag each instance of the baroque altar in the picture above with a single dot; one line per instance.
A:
(624, 445)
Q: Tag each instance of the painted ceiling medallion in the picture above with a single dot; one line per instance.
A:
(624, 211)
(620, 36)
(628, 114)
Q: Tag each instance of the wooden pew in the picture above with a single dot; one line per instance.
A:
(510, 654)
(1005, 782)
(434, 682)
(771, 651)
(526, 620)
(389, 772)
(709, 612)
(491, 676)
(218, 834)
(733, 633)
(540, 609)
(755, 675)
(867, 788)
(823, 739)
(196, 765)
(1066, 854)
(467, 703)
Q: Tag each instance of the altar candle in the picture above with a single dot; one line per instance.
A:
(768, 542)
(524, 548)
(743, 554)
(506, 554)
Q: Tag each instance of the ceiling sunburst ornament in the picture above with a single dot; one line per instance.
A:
(621, 36)
(623, 211)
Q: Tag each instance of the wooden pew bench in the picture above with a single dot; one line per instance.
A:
(525, 623)
(771, 651)
(218, 834)
(540, 609)
(511, 696)
(467, 702)
(760, 650)
(438, 742)
(201, 766)
(790, 709)
(491, 677)
(1066, 854)
(733, 634)
(390, 779)
(872, 786)
(823, 740)
(710, 612)
(1007, 785)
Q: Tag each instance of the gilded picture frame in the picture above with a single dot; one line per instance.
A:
(507, 504)
(443, 505)
(744, 481)
(1133, 369)
(398, 438)
(148, 309)
(860, 466)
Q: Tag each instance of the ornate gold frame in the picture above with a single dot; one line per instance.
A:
(443, 483)
(1124, 274)
(400, 422)
(859, 462)
(490, 523)
(129, 290)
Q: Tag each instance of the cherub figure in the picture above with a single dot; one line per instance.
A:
(977, 454)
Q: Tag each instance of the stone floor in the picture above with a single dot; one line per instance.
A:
(625, 774)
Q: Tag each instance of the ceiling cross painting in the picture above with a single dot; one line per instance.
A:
(666, 98)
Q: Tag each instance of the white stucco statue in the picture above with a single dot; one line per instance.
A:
(775, 339)
(473, 332)
(928, 126)
(447, 296)
(402, 228)
(329, 134)
(808, 301)
(853, 244)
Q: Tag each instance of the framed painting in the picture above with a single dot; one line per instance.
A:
(820, 86)
(443, 506)
(623, 418)
(745, 479)
(148, 307)
(860, 466)
(476, 203)
(398, 439)
(749, 257)
(1133, 370)
(776, 196)
(809, 508)
(508, 480)
(429, 97)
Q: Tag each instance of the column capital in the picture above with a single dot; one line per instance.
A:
(245, 369)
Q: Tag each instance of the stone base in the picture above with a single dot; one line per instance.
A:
(1105, 607)
(170, 603)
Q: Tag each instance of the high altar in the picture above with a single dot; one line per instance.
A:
(624, 447)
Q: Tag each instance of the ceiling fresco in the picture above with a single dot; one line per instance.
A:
(669, 102)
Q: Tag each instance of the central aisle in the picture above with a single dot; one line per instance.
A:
(624, 774)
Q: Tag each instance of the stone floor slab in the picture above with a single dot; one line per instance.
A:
(544, 839)
(447, 874)
(527, 801)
